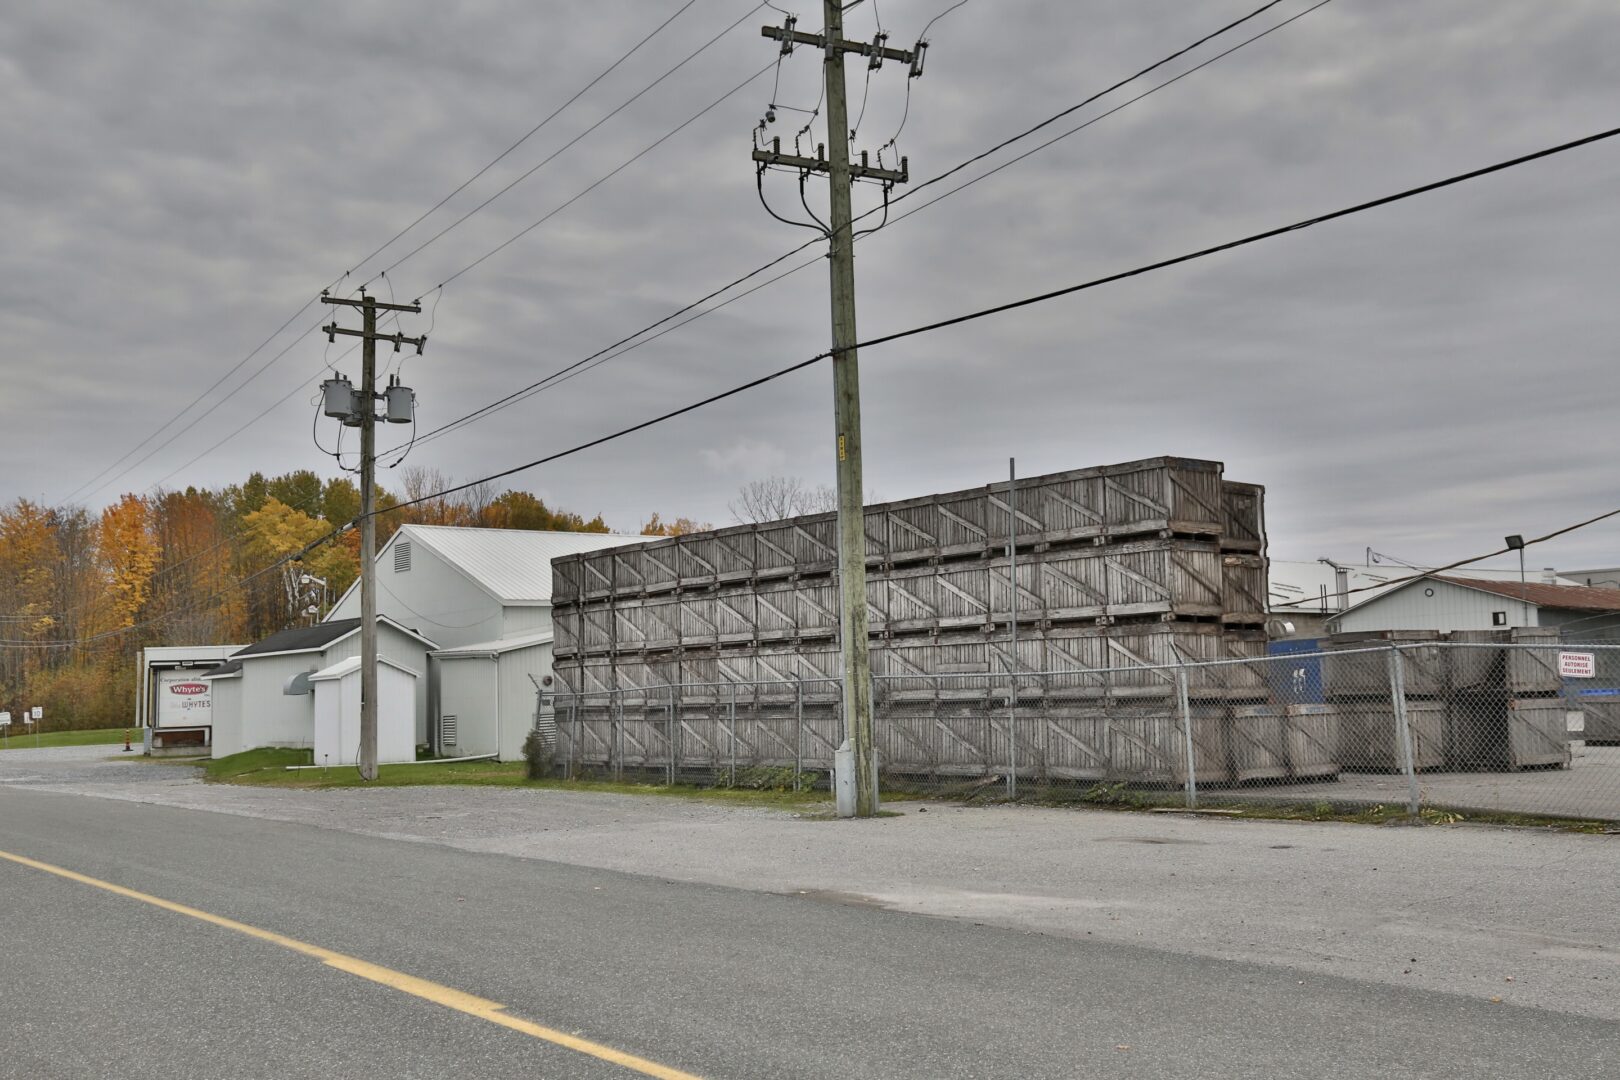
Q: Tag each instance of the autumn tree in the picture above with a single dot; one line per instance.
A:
(129, 556)
(656, 526)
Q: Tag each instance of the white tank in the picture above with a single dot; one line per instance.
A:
(401, 404)
(338, 395)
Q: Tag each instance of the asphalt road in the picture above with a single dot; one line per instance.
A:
(712, 981)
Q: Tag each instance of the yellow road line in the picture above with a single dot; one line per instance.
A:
(439, 994)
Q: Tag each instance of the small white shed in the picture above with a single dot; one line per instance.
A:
(337, 713)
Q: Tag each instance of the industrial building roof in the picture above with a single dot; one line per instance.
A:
(1575, 597)
(512, 565)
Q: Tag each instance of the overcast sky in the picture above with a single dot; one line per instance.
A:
(178, 178)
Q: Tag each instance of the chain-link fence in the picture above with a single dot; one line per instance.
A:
(1484, 727)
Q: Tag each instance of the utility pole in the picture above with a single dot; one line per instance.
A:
(835, 163)
(362, 413)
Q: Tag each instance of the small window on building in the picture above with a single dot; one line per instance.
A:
(1498, 618)
(402, 557)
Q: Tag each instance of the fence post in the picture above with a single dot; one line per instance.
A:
(731, 727)
(669, 735)
(1184, 705)
(616, 746)
(798, 729)
(1012, 717)
(1403, 728)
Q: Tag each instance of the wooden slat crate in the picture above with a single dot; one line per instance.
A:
(1243, 513)
(1311, 736)
(1258, 743)
(1244, 592)
(1367, 735)
(1366, 674)
(1537, 733)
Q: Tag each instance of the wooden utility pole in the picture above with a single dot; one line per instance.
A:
(366, 418)
(835, 163)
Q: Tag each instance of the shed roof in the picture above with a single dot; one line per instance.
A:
(500, 645)
(352, 665)
(1574, 597)
(304, 639)
(301, 638)
(512, 565)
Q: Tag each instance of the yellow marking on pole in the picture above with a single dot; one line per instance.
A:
(439, 994)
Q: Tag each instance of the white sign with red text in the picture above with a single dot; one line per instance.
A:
(1577, 665)
(183, 700)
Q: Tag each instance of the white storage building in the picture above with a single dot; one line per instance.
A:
(337, 712)
(485, 596)
(251, 703)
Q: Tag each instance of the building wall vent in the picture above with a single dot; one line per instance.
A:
(447, 730)
(402, 557)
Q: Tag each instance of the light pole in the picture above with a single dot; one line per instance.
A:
(1516, 543)
(315, 610)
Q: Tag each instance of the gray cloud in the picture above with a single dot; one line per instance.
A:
(180, 177)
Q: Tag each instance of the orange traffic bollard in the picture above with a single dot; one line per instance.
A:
(128, 749)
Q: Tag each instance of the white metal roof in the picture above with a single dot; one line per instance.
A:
(512, 565)
(500, 645)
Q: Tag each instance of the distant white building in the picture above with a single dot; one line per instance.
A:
(1308, 593)
(484, 595)
(1451, 602)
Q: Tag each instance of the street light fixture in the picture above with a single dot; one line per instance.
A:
(1516, 543)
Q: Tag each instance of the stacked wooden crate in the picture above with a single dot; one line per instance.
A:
(1469, 707)
(1122, 573)
(1506, 709)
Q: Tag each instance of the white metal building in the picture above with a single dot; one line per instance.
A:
(485, 596)
(252, 706)
(461, 586)
(489, 693)
(1458, 603)
(337, 712)
(1308, 593)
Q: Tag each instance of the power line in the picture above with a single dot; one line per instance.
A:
(1081, 127)
(338, 280)
(547, 217)
(498, 158)
(1452, 566)
(601, 355)
(1053, 294)
(567, 146)
(957, 320)
(649, 148)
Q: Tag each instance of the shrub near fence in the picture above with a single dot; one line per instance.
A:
(1468, 726)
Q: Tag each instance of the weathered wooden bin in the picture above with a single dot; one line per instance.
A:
(1243, 508)
(1368, 738)
(1601, 718)
(1522, 671)
(1257, 743)
(1148, 745)
(1349, 670)
(1537, 733)
(1311, 737)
